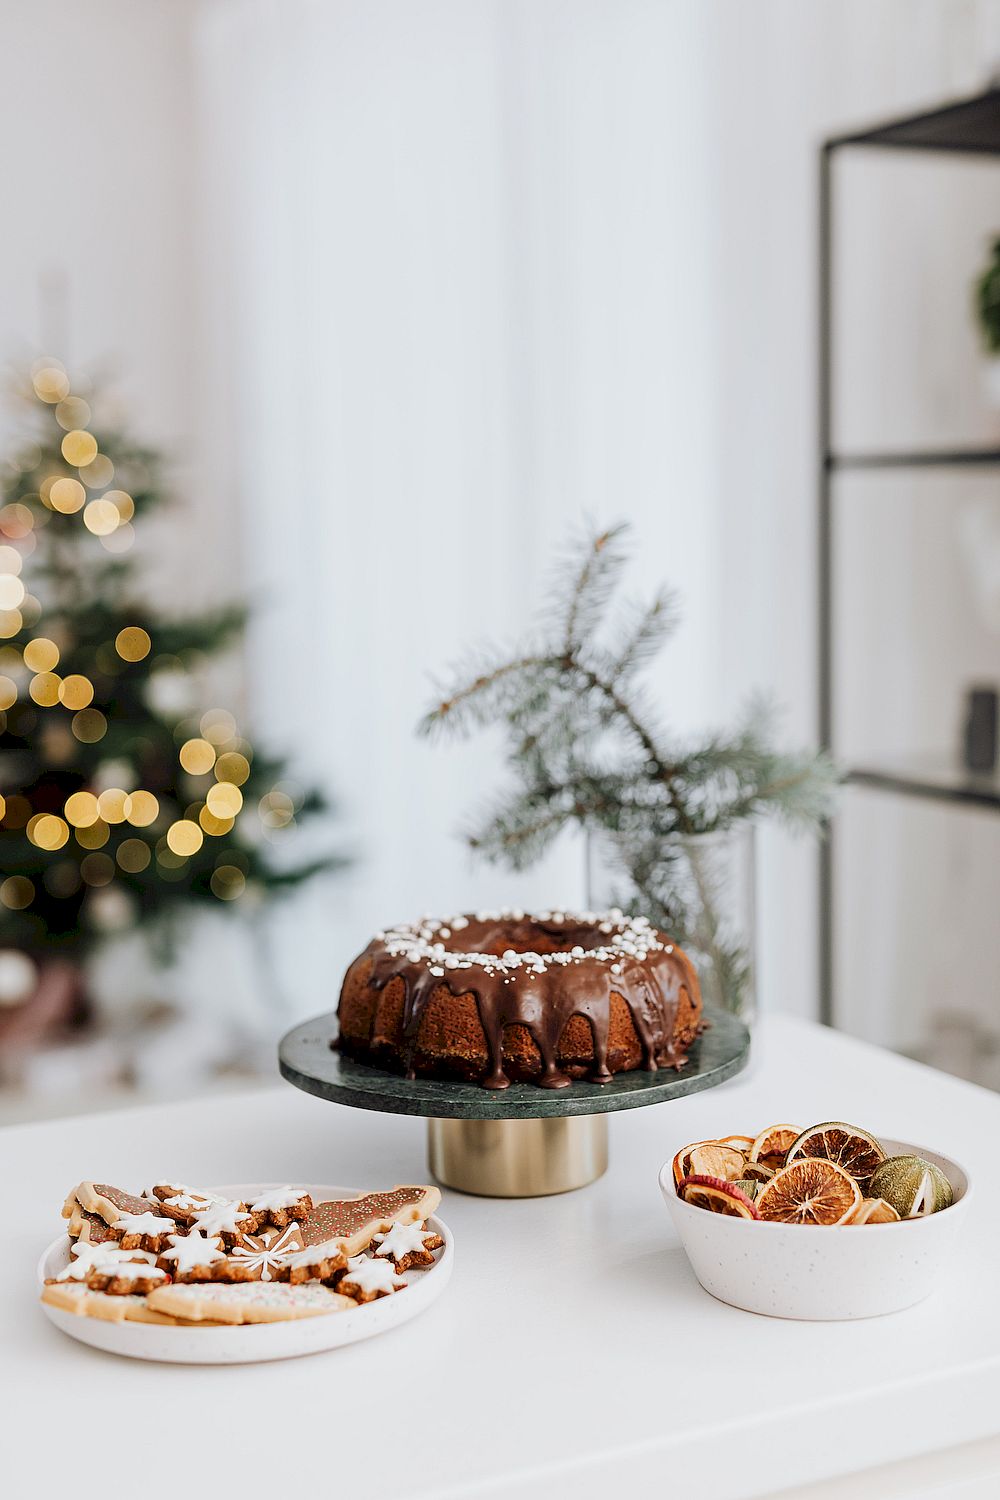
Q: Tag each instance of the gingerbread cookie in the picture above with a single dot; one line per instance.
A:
(108, 1268)
(229, 1219)
(182, 1202)
(83, 1225)
(365, 1279)
(335, 1230)
(263, 1257)
(146, 1231)
(194, 1256)
(76, 1298)
(408, 1245)
(277, 1207)
(110, 1202)
(251, 1302)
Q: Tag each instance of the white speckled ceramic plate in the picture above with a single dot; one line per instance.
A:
(247, 1343)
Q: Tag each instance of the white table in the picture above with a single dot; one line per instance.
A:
(573, 1353)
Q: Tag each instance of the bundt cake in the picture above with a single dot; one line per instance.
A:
(506, 996)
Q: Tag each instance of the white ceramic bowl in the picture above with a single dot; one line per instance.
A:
(807, 1271)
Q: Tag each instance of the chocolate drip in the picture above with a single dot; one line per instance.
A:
(541, 993)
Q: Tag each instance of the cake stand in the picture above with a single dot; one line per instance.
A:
(518, 1142)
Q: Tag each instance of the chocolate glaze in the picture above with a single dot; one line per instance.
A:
(543, 996)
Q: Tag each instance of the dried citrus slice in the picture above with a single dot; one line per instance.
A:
(912, 1186)
(771, 1145)
(758, 1171)
(874, 1211)
(741, 1142)
(749, 1186)
(713, 1160)
(718, 1196)
(681, 1164)
(809, 1191)
(856, 1150)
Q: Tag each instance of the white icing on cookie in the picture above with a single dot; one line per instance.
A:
(186, 1198)
(221, 1217)
(258, 1255)
(371, 1275)
(275, 1198)
(195, 1249)
(401, 1240)
(312, 1256)
(108, 1259)
(144, 1223)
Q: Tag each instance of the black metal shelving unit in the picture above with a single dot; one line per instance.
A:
(966, 127)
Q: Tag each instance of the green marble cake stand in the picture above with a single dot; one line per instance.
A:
(519, 1142)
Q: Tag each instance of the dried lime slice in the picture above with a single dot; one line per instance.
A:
(912, 1186)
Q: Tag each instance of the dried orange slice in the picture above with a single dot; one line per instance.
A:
(718, 1196)
(714, 1160)
(809, 1191)
(741, 1142)
(874, 1211)
(856, 1150)
(771, 1145)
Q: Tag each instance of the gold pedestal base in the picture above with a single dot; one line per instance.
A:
(518, 1158)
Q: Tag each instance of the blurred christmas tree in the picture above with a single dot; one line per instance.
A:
(114, 808)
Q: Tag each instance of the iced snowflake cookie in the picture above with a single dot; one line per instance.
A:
(262, 1257)
(251, 1302)
(181, 1202)
(229, 1219)
(73, 1297)
(193, 1256)
(146, 1231)
(408, 1245)
(109, 1268)
(366, 1279)
(277, 1207)
(342, 1227)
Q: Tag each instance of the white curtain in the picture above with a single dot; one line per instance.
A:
(459, 300)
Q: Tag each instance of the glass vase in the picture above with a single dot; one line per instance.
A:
(712, 886)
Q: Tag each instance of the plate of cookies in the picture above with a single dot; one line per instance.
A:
(252, 1271)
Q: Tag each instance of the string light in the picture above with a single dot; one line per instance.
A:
(44, 689)
(79, 447)
(89, 726)
(212, 825)
(11, 622)
(132, 643)
(224, 799)
(51, 383)
(99, 472)
(72, 412)
(232, 767)
(120, 540)
(11, 591)
(47, 831)
(184, 837)
(16, 521)
(114, 805)
(143, 809)
(41, 655)
(82, 809)
(197, 757)
(276, 809)
(97, 869)
(10, 560)
(76, 691)
(218, 726)
(17, 892)
(8, 693)
(101, 517)
(94, 836)
(65, 495)
(123, 503)
(228, 882)
(133, 856)
(3, 806)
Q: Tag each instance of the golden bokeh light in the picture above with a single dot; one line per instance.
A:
(143, 809)
(11, 621)
(89, 726)
(79, 447)
(94, 836)
(217, 827)
(97, 869)
(276, 809)
(73, 412)
(65, 495)
(44, 689)
(114, 804)
(197, 757)
(41, 655)
(228, 882)
(101, 517)
(119, 541)
(123, 503)
(132, 643)
(184, 837)
(17, 892)
(76, 691)
(133, 855)
(82, 809)
(10, 560)
(47, 831)
(11, 591)
(30, 610)
(224, 799)
(99, 472)
(3, 806)
(8, 693)
(16, 521)
(218, 726)
(232, 767)
(51, 383)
